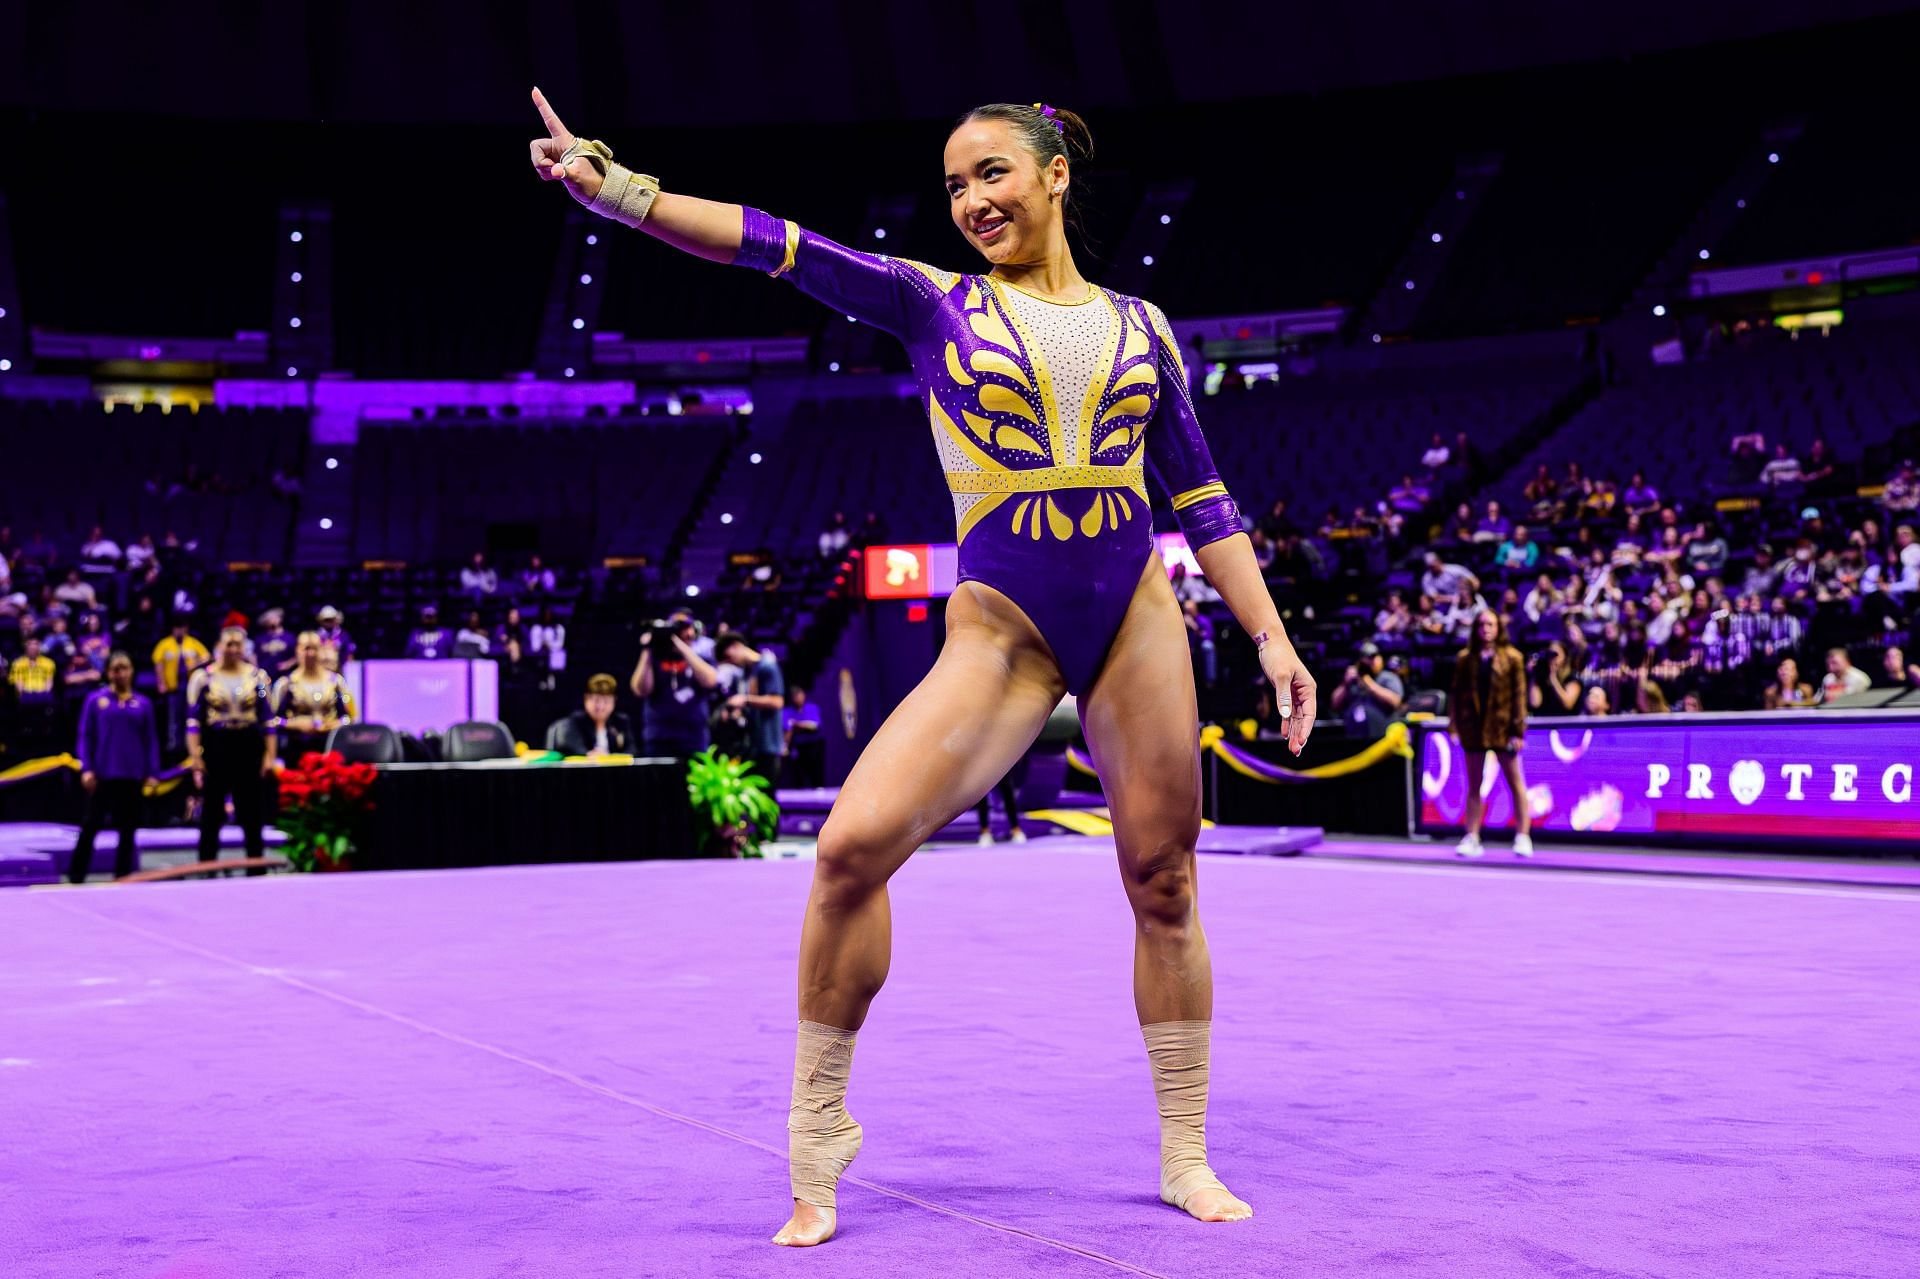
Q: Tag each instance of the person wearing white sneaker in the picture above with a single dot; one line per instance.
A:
(1488, 711)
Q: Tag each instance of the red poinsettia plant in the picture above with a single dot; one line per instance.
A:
(321, 805)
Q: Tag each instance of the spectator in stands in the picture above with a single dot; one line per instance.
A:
(175, 659)
(472, 640)
(1798, 576)
(1278, 525)
(675, 689)
(1763, 575)
(1782, 469)
(336, 646)
(38, 552)
(1519, 553)
(1900, 673)
(99, 555)
(93, 640)
(1200, 644)
(1543, 601)
(1784, 630)
(1906, 545)
(1788, 691)
(1599, 502)
(1467, 461)
(429, 641)
(763, 700)
(512, 630)
(118, 746)
(597, 728)
(1640, 497)
(1437, 454)
(1819, 469)
(1263, 549)
(1492, 526)
(273, 648)
(78, 678)
(1596, 702)
(1459, 526)
(310, 700)
(1902, 492)
(806, 746)
(478, 581)
(142, 555)
(1428, 621)
(1192, 586)
(55, 642)
(1706, 551)
(1445, 583)
(1552, 687)
(1542, 494)
(1394, 620)
(1488, 713)
(537, 580)
(834, 538)
(76, 592)
(1370, 695)
(1745, 460)
(1407, 496)
(36, 692)
(1843, 678)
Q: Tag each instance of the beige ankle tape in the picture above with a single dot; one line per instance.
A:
(1177, 1051)
(822, 1137)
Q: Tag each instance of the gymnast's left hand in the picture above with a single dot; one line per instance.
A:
(1284, 670)
(582, 179)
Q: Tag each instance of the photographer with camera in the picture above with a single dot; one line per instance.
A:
(1370, 694)
(675, 684)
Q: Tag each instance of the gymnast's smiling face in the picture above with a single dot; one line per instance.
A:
(1002, 199)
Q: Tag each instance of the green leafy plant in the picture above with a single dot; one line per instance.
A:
(732, 802)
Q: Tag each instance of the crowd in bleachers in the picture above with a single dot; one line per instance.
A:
(1668, 548)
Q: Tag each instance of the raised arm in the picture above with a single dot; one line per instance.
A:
(894, 294)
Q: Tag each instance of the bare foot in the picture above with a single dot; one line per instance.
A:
(808, 1226)
(1212, 1203)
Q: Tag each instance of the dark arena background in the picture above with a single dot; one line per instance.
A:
(506, 597)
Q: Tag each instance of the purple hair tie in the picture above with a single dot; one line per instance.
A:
(1047, 111)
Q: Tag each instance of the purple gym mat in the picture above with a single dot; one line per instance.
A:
(583, 1071)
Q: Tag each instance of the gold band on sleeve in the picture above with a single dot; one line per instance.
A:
(1182, 501)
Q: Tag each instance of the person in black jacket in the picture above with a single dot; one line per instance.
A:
(597, 728)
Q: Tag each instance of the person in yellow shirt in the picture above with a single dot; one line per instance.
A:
(32, 676)
(175, 659)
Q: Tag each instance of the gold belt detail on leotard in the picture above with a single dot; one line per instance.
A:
(1042, 479)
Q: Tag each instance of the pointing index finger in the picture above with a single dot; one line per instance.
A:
(554, 127)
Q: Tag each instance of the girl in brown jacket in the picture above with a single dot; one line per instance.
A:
(1489, 713)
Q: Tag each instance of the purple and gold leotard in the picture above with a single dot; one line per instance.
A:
(1040, 412)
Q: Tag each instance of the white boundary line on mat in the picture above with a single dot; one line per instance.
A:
(587, 1085)
(1542, 874)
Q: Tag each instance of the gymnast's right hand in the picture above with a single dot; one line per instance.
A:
(582, 179)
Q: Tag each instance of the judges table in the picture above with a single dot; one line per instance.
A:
(428, 816)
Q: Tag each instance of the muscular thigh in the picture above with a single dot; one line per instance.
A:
(973, 716)
(1142, 725)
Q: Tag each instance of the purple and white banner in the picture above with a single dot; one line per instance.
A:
(1829, 777)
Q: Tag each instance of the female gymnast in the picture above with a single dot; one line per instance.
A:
(1041, 389)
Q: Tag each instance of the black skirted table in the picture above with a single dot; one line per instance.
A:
(428, 816)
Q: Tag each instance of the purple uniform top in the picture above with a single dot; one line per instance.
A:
(117, 738)
(1041, 412)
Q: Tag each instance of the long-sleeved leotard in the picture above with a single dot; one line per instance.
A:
(1040, 411)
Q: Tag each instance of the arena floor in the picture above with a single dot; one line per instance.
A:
(583, 1070)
